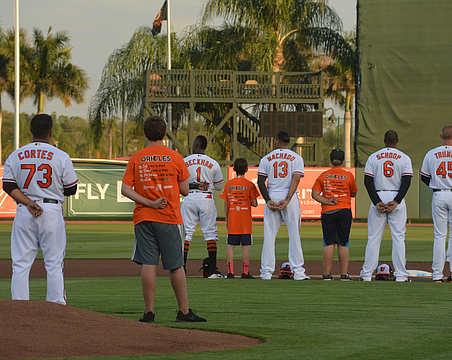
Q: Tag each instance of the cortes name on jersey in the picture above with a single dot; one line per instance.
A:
(280, 155)
(35, 154)
(202, 162)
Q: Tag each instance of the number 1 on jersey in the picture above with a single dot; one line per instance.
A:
(198, 174)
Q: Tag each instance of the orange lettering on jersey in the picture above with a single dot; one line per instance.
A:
(50, 155)
(388, 155)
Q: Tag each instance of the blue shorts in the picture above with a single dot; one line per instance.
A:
(244, 239)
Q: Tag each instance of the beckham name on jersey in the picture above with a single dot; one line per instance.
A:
(35, 154)
(202, 162)
(388, 155)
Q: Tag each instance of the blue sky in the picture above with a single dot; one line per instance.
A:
(98, 27)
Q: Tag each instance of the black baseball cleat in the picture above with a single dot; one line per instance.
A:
(190, 317)
(438, 280)
(230, 276)
(247, 276)
(449, 279)
(328, 277)
(148, 317)
(346, 277)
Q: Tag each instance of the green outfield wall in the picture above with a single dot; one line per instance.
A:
(404, 76)
(99, 195)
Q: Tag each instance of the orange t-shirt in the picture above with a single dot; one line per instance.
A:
(239, 193)
(156, 172)
(339, 183)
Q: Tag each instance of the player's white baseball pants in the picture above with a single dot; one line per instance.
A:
(291, 216)
(442, 217)
(376, 223)
(47, 232)
(199, 206)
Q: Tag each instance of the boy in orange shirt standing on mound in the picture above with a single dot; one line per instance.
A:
(239, 195)
(334, 189)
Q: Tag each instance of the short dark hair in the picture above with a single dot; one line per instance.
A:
(201, 140)
(283, 137)
(240, 166)
(446, 132)
(391, 137)
(41, 125)
(154, 128)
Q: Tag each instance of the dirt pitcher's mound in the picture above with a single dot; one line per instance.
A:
(40, 329)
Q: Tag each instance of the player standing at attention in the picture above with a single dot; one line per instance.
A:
(199, 204)
(239, 195)
(38, 176)
(334, 189)
(387, 177)
(154, 178)
(436, 173)
(283, 169)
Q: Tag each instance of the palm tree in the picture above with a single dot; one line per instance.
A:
(52, 73)
(340, 86)
(121, 86)
(265, 32)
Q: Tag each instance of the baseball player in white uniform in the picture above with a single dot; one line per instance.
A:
(283, 169)
(199, 204)
(436, 173)
(38, 176)
(387, 177)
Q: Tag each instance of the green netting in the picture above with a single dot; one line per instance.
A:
(405, 60)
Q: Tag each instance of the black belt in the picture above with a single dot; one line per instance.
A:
(435, 190)
(386, 190)
(200, 191)
(49, 201)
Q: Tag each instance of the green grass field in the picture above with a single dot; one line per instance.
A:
(115, 241)
(296, 319)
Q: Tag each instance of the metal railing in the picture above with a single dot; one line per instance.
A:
(232, 86)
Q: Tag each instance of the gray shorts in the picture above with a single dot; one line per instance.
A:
(153, 239)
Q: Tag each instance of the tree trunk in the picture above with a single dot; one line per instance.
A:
(347, 131)
(41, 103)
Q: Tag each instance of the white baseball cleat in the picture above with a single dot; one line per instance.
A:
(217, 275)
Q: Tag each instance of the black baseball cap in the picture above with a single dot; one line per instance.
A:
(283, 137)
(337, 154)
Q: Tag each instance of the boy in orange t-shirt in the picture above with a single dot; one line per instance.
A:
(334, 189)
(239, 195)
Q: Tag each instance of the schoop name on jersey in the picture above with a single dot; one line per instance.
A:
(388, 155)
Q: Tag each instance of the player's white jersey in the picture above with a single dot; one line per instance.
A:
(279, 167)
(41, 171)
(387, 166)
(203, 168)
(437, 166)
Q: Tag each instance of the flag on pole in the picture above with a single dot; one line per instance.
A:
(162, 15)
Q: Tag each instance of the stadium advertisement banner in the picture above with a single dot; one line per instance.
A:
(99, 193)
(310, 209)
